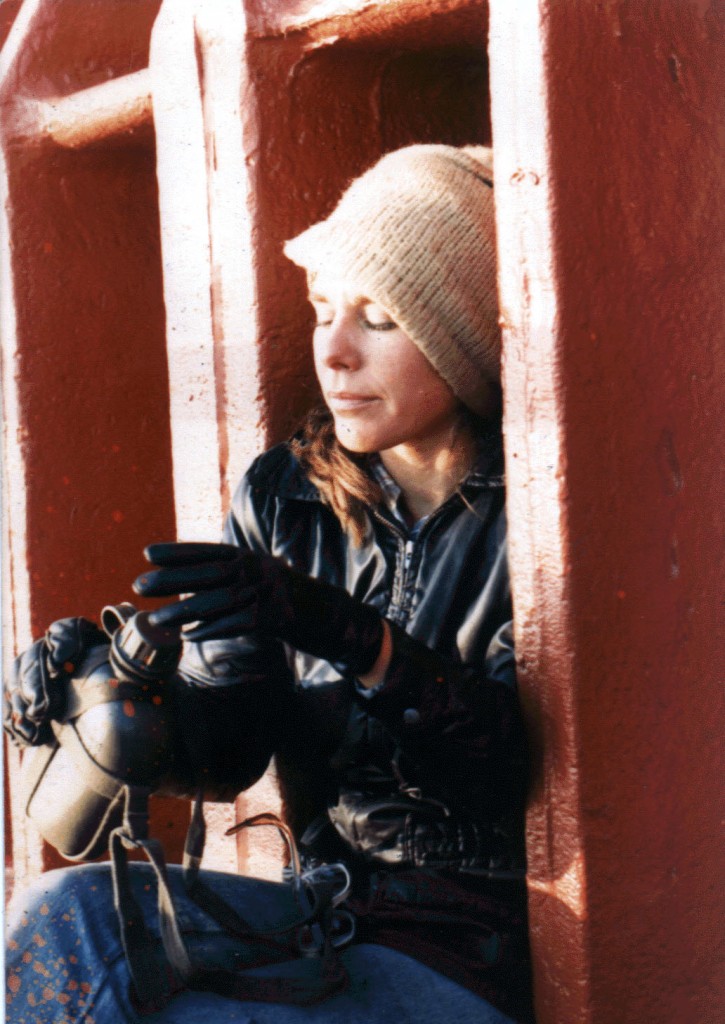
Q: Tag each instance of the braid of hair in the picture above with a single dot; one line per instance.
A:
(338, 474)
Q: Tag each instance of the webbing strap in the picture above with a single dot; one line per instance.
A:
(304, 983)
(151, 987)
(154, 986)
(205, 897)
(315, 901)
(306, 980)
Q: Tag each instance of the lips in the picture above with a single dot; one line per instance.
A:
(349, 401)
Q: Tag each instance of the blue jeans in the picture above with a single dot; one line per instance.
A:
(65, 963)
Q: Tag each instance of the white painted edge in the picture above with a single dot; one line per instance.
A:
(535, 454)
(15, 595)
(221, 30)
(528, 301)
(186, 258)
(17, 35)
(88, 115)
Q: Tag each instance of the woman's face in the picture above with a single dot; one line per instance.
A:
(380, 388)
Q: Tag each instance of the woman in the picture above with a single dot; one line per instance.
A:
(355, 623)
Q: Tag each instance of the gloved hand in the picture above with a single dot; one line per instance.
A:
(236, 592)
(35, 693)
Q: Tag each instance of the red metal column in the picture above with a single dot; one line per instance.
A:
(607, 123)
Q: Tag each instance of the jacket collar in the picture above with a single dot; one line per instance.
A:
(488, 467)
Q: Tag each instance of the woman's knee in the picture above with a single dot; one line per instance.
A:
(56, 890)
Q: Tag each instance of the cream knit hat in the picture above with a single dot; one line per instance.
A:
(415, 234)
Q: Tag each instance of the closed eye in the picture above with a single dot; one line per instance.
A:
(375, 318)
(384, 325)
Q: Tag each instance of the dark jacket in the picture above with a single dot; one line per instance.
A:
(420, 784)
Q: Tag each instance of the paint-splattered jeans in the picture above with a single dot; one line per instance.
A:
(65, 962)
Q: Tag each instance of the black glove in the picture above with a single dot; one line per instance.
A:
(35, 693)
(236, 592)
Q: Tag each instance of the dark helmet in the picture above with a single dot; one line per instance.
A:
(114, 742)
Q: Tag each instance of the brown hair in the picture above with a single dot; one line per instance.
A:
(338, 474)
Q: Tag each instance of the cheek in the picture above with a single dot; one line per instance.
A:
(418, 383)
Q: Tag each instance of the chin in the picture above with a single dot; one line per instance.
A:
(355, 444)
(358, 441)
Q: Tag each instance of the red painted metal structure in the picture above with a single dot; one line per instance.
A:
(134, 308)
(615, 392)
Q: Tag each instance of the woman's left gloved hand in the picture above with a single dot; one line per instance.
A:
(237, 592)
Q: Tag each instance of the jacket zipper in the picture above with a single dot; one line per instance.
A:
(406, 548)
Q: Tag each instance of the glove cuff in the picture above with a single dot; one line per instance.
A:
(327, 622)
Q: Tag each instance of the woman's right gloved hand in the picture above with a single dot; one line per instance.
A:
(35, 693)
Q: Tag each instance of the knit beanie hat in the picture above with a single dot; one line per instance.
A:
(415, 234)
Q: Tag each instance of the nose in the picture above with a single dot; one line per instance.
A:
(336, 345)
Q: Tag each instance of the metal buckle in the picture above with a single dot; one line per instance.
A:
(324, 874)
(342, 929)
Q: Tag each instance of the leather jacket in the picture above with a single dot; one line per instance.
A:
(428, 772)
